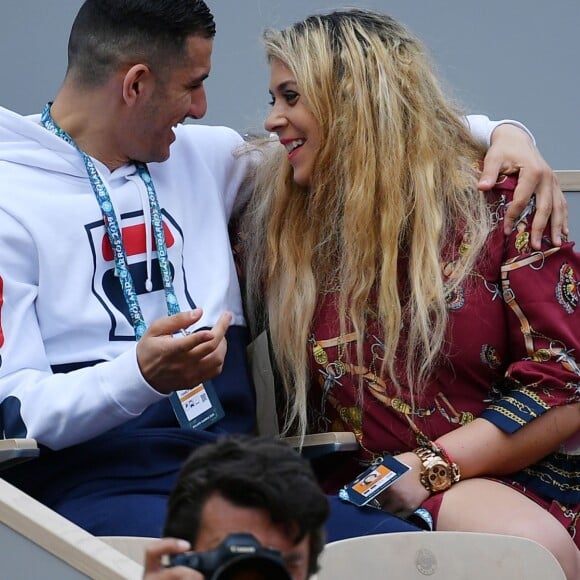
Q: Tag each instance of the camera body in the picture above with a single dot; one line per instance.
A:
(238, 554)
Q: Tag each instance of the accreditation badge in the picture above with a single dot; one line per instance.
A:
(197, 408)
(373, 481)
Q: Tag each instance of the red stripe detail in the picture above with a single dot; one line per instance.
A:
(134, 241)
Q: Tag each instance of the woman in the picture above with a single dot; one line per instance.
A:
(398, 308)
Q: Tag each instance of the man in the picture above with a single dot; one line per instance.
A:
(108, 246)
(258, 486)
(72, 375)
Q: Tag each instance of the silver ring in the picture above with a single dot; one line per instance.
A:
(375, 504)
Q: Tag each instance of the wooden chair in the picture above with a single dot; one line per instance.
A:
(438, 555)
(36, 542)
(311, 446)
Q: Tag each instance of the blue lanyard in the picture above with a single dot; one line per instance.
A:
(114, 231)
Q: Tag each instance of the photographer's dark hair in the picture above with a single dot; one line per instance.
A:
(252, 472)
(109, 33)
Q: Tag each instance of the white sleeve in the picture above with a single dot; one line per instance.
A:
(62, 409)
(482, 127)
(238, 184)
(223, 151)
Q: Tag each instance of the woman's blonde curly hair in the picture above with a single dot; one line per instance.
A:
(394, 182)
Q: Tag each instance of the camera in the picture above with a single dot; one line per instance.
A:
(238, 556)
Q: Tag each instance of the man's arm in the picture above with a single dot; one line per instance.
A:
(512, 149)
(60, 409)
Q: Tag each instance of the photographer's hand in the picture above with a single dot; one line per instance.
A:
(154, 569)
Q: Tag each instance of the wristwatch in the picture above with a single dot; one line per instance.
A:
(437, 475)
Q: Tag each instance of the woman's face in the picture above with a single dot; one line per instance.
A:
(293, 122)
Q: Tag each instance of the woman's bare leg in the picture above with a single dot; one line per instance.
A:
(481, 505)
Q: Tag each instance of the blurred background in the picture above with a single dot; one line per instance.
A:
(502, 58)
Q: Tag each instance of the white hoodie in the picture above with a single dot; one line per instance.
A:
(61, 306)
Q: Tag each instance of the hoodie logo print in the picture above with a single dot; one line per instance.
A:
(106, 285)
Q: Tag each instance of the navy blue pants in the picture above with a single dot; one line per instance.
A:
(348, 521)
(143, 515)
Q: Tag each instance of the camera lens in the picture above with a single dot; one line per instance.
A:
(252, 569)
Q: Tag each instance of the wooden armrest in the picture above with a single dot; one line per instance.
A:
(13, 451)
(569, 180)
(320, 444)
(132, 546)
(51, 540)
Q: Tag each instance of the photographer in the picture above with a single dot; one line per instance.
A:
(243, 485)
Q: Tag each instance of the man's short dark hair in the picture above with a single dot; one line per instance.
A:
(250, 472)
(109, 33)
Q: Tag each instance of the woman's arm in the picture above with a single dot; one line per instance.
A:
(481, 448)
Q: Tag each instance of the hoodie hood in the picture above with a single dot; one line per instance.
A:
(24, 141)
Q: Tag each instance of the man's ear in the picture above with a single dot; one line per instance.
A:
(137, 82)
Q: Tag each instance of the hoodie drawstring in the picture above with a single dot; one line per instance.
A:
(148, 239)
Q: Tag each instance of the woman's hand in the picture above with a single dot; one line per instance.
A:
(407, 494)
(513, 151)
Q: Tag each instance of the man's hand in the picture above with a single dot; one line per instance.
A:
(171, 363)
(511, 151)
(154, 553)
